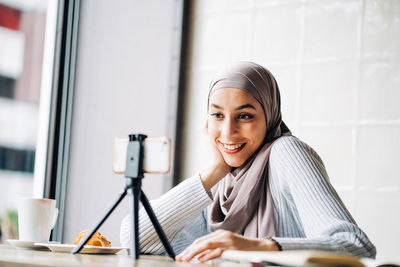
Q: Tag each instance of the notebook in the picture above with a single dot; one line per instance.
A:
(303, 258)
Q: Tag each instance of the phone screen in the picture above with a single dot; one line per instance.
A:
(156, 155)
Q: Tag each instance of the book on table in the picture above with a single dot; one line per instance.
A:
(304, 258)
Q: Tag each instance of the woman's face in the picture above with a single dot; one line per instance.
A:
(236, 124)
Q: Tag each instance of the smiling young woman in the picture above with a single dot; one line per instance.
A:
(236, 125)
(264, 189)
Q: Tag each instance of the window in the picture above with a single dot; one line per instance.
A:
(24, 34)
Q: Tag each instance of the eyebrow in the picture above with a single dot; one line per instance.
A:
(238, 108)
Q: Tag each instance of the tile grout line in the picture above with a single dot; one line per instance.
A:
(351, 123)
(357, 104)
(299, 68)
(249, 47)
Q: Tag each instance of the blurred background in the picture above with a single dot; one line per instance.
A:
(22, 32)
(145, 66)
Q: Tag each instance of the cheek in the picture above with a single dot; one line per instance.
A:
(256, 132)
(212, 131)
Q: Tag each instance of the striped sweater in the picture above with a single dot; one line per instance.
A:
(308, 212)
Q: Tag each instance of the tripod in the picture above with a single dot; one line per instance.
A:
(134, 175)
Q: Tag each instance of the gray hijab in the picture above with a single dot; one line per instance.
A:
(242, 200)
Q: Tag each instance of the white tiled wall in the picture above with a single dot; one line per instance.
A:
(337, 63)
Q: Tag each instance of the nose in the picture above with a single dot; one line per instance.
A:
(228, 128)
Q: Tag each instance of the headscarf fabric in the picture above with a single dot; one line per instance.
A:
(242, 199)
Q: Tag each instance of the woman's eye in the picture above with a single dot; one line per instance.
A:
(245, 116)
(216, 115)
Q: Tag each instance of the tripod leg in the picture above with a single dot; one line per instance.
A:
(135, 218)
(157, 226)
(102, 220)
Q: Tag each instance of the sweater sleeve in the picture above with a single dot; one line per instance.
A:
(175, 209)
(326, 222)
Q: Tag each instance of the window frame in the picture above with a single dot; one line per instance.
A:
(57, 101)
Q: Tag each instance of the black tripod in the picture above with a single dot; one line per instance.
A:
(134, 175)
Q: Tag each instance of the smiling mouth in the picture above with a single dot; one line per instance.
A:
(232, 148)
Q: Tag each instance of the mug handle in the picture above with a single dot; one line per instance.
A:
(55, 218)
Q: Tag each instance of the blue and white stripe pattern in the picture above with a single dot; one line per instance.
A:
(308, 212)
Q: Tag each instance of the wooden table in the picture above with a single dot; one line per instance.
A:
(10, 256)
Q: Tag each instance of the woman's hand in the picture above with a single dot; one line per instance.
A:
(213, 245)
(216, 169)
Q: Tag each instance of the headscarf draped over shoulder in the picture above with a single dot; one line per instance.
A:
(242, 200)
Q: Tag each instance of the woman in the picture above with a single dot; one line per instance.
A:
(265, 189)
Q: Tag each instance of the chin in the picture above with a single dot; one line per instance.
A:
(234, 163)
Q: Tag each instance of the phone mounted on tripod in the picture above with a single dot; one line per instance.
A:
(134, 176)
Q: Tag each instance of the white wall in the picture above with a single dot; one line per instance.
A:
(123, 85)
(337, 63)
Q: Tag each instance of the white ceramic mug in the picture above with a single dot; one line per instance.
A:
(36, 218)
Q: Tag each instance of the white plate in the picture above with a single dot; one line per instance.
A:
(25, 244)
(86, 249)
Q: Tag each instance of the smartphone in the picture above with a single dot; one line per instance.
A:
(156, 155)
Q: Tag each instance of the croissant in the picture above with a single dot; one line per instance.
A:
(96, 240)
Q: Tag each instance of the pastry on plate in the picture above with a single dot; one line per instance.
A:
(96, 240)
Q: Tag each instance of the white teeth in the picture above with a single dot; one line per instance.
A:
(232, 147)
